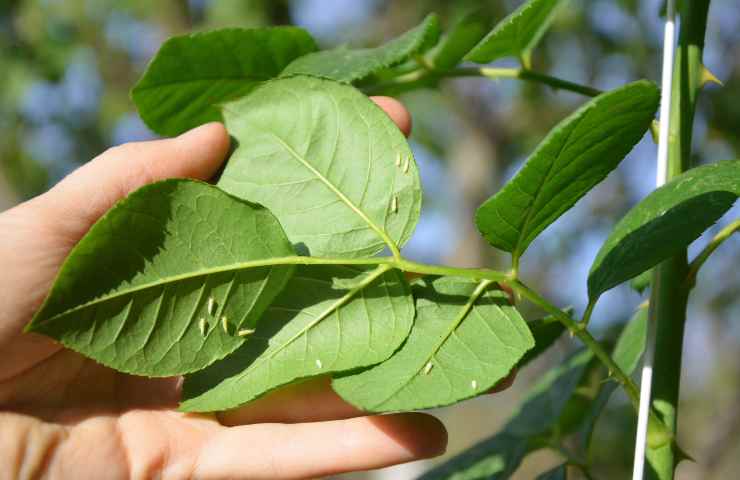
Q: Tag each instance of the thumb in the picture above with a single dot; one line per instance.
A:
(88, 192)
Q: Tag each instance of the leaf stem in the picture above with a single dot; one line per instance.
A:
(583, 335)
(494, 73)
(718, 239)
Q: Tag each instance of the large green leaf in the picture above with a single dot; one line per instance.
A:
(664, 223)
(517, 34)
(328, 162)
(465, 339)
(461, 38)
(147, 289)
(578, 154)
(192, 75)
(497, 457)
(347, 65)
(329, 319)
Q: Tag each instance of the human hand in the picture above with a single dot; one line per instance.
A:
(62, 415)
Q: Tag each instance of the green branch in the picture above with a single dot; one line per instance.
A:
(713, 245)
(669, 295)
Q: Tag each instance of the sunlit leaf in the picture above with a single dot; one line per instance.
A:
(464, 340)
(192, 75)
(328, 162)
(329, 319)
(577, 155)
(664, 223)
(517, 34)
(460, 39)
(347, 65)
(150, 286)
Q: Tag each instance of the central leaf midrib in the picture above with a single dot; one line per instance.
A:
(269, 262)
(381, 233)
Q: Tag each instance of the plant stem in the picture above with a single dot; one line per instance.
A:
(583, 335)
(669, 295)
(713, 245)
(422, 75)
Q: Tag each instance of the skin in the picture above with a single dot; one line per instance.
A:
(64, 416)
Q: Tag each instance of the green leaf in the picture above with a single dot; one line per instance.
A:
(577, 155)
(497, 457)
(545, 332)
(461, 38)
(664, 223)
(466, 337)
(558, 473)
(313, 328)
(631, 343)
(192, 75)
(517, 34)
(132, 293)
(328, 162)
(347, 65)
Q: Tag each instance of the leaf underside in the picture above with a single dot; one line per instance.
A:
(517, 34)
(349, 65)
(576, 155)
(132, 293)
(329, 319)
(464, 340)
(664, 223)
(192, 75)
(328, 162)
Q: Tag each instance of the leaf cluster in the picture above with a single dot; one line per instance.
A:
(273, 275)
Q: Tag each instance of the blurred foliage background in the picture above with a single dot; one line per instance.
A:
(67, 67)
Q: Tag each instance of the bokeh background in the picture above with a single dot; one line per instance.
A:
(66, 67)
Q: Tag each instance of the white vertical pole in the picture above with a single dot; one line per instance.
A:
(669, 49)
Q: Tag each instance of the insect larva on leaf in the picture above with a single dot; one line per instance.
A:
(225, 323)
(428, 368)
(318, 363)
(394, 204)
(406, 165)
(202, 326)
(245, 332)
(474, 385)
(211, 306)
(398, 159)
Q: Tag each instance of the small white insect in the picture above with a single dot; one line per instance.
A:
(394, 204)
(318, 363)
(474, 384)
(406, 165)
(245, 332)
(428, 368)
(225, 323)
(398, 159)
(211, 306)
(203, 326)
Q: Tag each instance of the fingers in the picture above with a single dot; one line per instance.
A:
(311, 450)
(88, 192)
(310, 401)
(396, 111)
